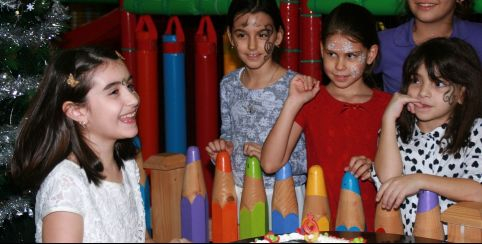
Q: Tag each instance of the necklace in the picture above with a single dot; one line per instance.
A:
(269, 82)
(249, 104)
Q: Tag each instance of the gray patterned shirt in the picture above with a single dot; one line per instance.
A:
(248, 115)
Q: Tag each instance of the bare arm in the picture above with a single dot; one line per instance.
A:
(285, 133)
(62, 227)
(281, 140)
(396, 189)
(388, 162)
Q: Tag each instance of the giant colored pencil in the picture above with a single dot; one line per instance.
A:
(350, 216)
(224, 203)
(253, 211)
(316, 199)
(284, 213)
(194, 200)
(388, 221)
(427, 222)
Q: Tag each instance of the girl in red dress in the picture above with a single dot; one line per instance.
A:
(340, 120)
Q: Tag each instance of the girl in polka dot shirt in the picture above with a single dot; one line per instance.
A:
(431, 136)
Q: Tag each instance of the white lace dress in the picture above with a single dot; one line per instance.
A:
(112, 212)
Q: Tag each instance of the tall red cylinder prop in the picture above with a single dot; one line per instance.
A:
(310, 32)
(128, 39)
(290, 55)
(207, 102)
(147, 86)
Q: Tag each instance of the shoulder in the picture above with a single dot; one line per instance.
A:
(477, 128)
(469, 31)
(381, 97)
(468, 26)
(323, 100)
(391, 36)
(132, 169)
(231, 78)
(66, 172)
(62, 189)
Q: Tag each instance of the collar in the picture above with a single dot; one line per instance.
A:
(435, 134)
(404, 36)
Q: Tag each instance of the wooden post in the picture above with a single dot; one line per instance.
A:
(167, 173)
(464, 221)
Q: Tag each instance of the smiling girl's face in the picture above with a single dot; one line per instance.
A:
(112, 104)
(254, 36)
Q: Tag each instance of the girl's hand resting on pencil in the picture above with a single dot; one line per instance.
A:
(252, 149)
(360, 167)
(218, 145)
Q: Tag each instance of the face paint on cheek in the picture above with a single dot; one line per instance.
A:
(449, 96)
(363, 58)
(269, 48)
(269, 45)
(355, 71)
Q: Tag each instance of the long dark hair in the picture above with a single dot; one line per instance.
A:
(455, 61)
(47, 136)
(354, 22)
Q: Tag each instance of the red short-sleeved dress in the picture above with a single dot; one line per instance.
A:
(335, 131)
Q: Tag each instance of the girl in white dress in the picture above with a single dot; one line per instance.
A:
(74, 149)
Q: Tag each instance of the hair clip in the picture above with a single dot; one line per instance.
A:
(71, 81)
(119, 55)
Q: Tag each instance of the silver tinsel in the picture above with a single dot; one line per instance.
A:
(8, 4)
(17, 86)
(8, 134)
(36, 35)
(15, 207)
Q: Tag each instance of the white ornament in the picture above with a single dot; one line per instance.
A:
(30, 6)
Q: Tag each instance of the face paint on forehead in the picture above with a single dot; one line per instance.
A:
(247, 20)
(343, 46)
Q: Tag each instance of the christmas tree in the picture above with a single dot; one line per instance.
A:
(27, 29)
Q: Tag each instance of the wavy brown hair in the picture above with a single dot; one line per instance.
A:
(455, 61)
(47, 136)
